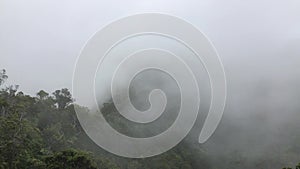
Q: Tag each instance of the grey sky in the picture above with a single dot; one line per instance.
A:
(40, 40)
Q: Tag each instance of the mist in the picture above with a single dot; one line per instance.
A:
(257, 41)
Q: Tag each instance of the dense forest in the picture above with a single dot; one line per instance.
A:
(42, 131)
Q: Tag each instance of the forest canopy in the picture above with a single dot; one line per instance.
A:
(43, 132)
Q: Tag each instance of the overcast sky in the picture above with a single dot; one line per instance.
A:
(40, 40)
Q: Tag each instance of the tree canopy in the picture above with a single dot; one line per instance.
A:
(43, 131)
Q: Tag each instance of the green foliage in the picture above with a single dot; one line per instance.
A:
(43, 132)
(20, 141)
(70, 159)
(42, 95)
(104, 163)
(62, 98)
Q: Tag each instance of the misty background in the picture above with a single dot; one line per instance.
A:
(257, 41)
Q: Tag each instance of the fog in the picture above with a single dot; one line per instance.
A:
(257, 41)
(43, 38)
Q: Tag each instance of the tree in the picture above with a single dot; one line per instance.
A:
(39, 132)
(63, 98)
(71, 158)
(20, 141)
(42, 132)
(42, 95)
(3, 76)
